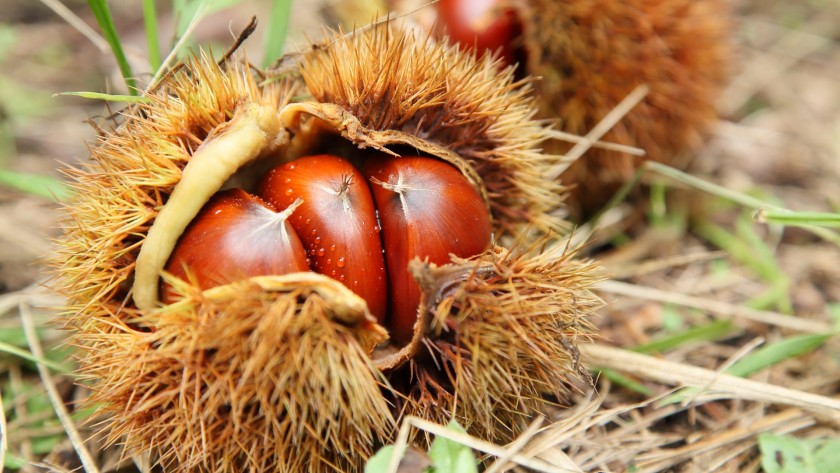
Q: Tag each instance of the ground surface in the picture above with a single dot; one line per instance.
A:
(779, 139)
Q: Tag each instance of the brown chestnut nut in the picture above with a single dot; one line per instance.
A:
(235, 236)
(427, 209)
(336, 222)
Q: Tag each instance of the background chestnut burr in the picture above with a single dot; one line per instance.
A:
(589, 55)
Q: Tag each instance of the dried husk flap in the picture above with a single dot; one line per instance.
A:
(247, 361)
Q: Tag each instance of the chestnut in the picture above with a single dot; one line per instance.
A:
(235, 235)
(336, 222)
(427, 209)
(483, 25)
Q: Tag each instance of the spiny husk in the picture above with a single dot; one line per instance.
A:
(214, 383)
(133, 170)
(254, 376)
(234, 378)
(503, 335)
(397, 82)
(590, 54)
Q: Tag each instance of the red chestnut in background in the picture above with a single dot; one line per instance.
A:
(336, 222)
(486, 25)
(235, 236)
(427, 209)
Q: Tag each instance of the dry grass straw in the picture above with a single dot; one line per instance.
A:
(610, 432)
(48, 383)
(601, 128)
(716, 385)
(73, 19)
(787, 421)
(718, 308)
(25, 423)
(504, 454)
(595, 436)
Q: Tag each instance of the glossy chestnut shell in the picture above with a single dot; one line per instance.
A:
(361, 229)
(428, 210)
(336, 222)
(235, 236)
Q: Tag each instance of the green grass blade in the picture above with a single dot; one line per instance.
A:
(777, 352)
(183, 11)
(711, 331)
(179, 9)
(278, 24)
(750, 250)
(619, 379)
(766, 254)
(45, 444)
(749, 253)
(108, 97)
(658, 213)
(150, 21)
(733, 196)
(20, 102)
(8, 147)
(15, 462)
(379, 462)
(834, 314)
(43, 186)
(775, 298)
(787, 454)
(769, 355)
(21, 353)
(106, 23)
(798, 219)
(449, 456)
(8, 38)
(619, 197)
(13, 336)
(710, 188)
